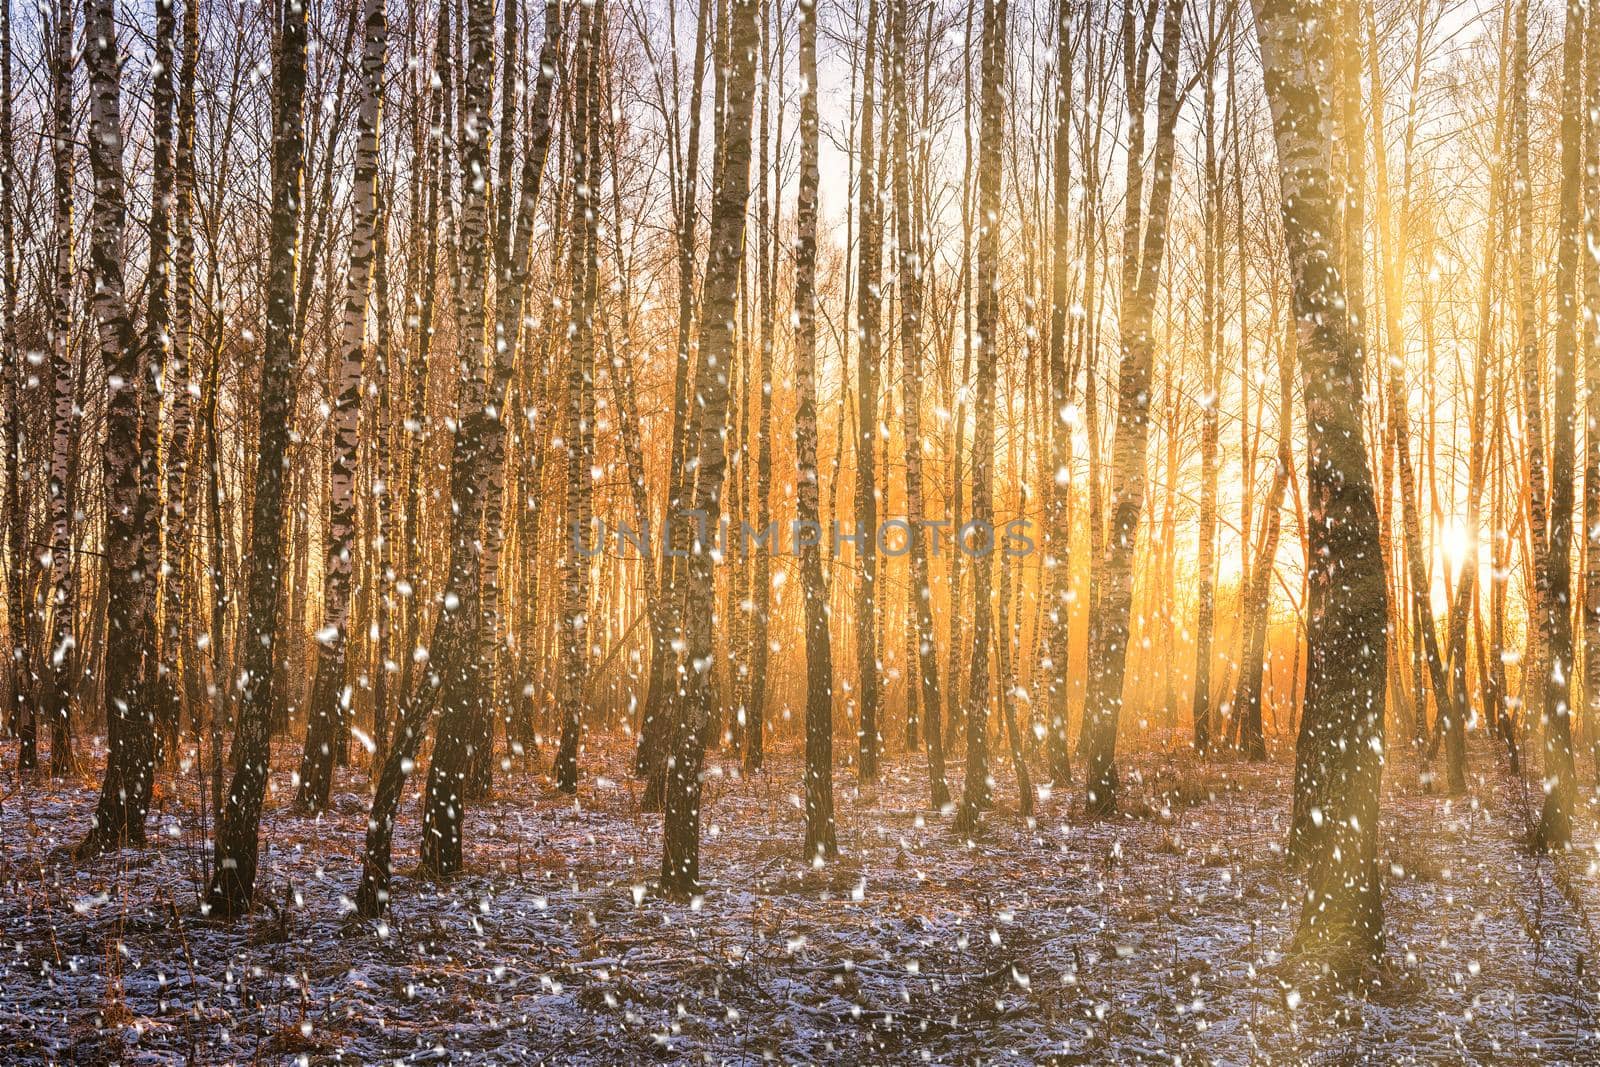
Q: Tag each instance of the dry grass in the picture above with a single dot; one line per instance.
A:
(1157, 934)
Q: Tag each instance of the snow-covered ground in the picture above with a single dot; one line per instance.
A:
(1155, 937)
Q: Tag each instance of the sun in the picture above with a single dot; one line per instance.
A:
(1455, 541)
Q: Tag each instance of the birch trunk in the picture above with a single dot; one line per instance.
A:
(1141, 279)
(1534, 673)
(460, 690)
(1059, 534)
(130, 730)
(868, 312)
(233, 881)
(383, 573)
(1560, 776)
(24, 717)
(909, 280)
(453, 630)
(680, 861)
(160, 688)
(514, 252)
(330, 697)
(976, 791)
(179, 488)
(1206, 564)
(428, 286)
(666, 624)
(63, 655)
(1591, 374)
(821, 838)
(1339, 755)
(577, 434)
(761, 599)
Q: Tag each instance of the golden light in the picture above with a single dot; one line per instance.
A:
(1455, 541)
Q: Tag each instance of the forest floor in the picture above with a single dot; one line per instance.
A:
(1155, 937)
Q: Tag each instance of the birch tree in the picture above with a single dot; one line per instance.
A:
(1059, 535)
(975, 794)
(456, 681)
(1144, 234)
(909, 280)
(1560, 777)
(238, 829)
(821, 837)
(330, 697)
(24, 719)
(680, 860)
(61, 491)
(577, 430)
(160, 683)
(130, 727)
(868, 320)
(1339, 753)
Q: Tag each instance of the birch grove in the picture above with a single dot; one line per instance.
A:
(692, 448)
